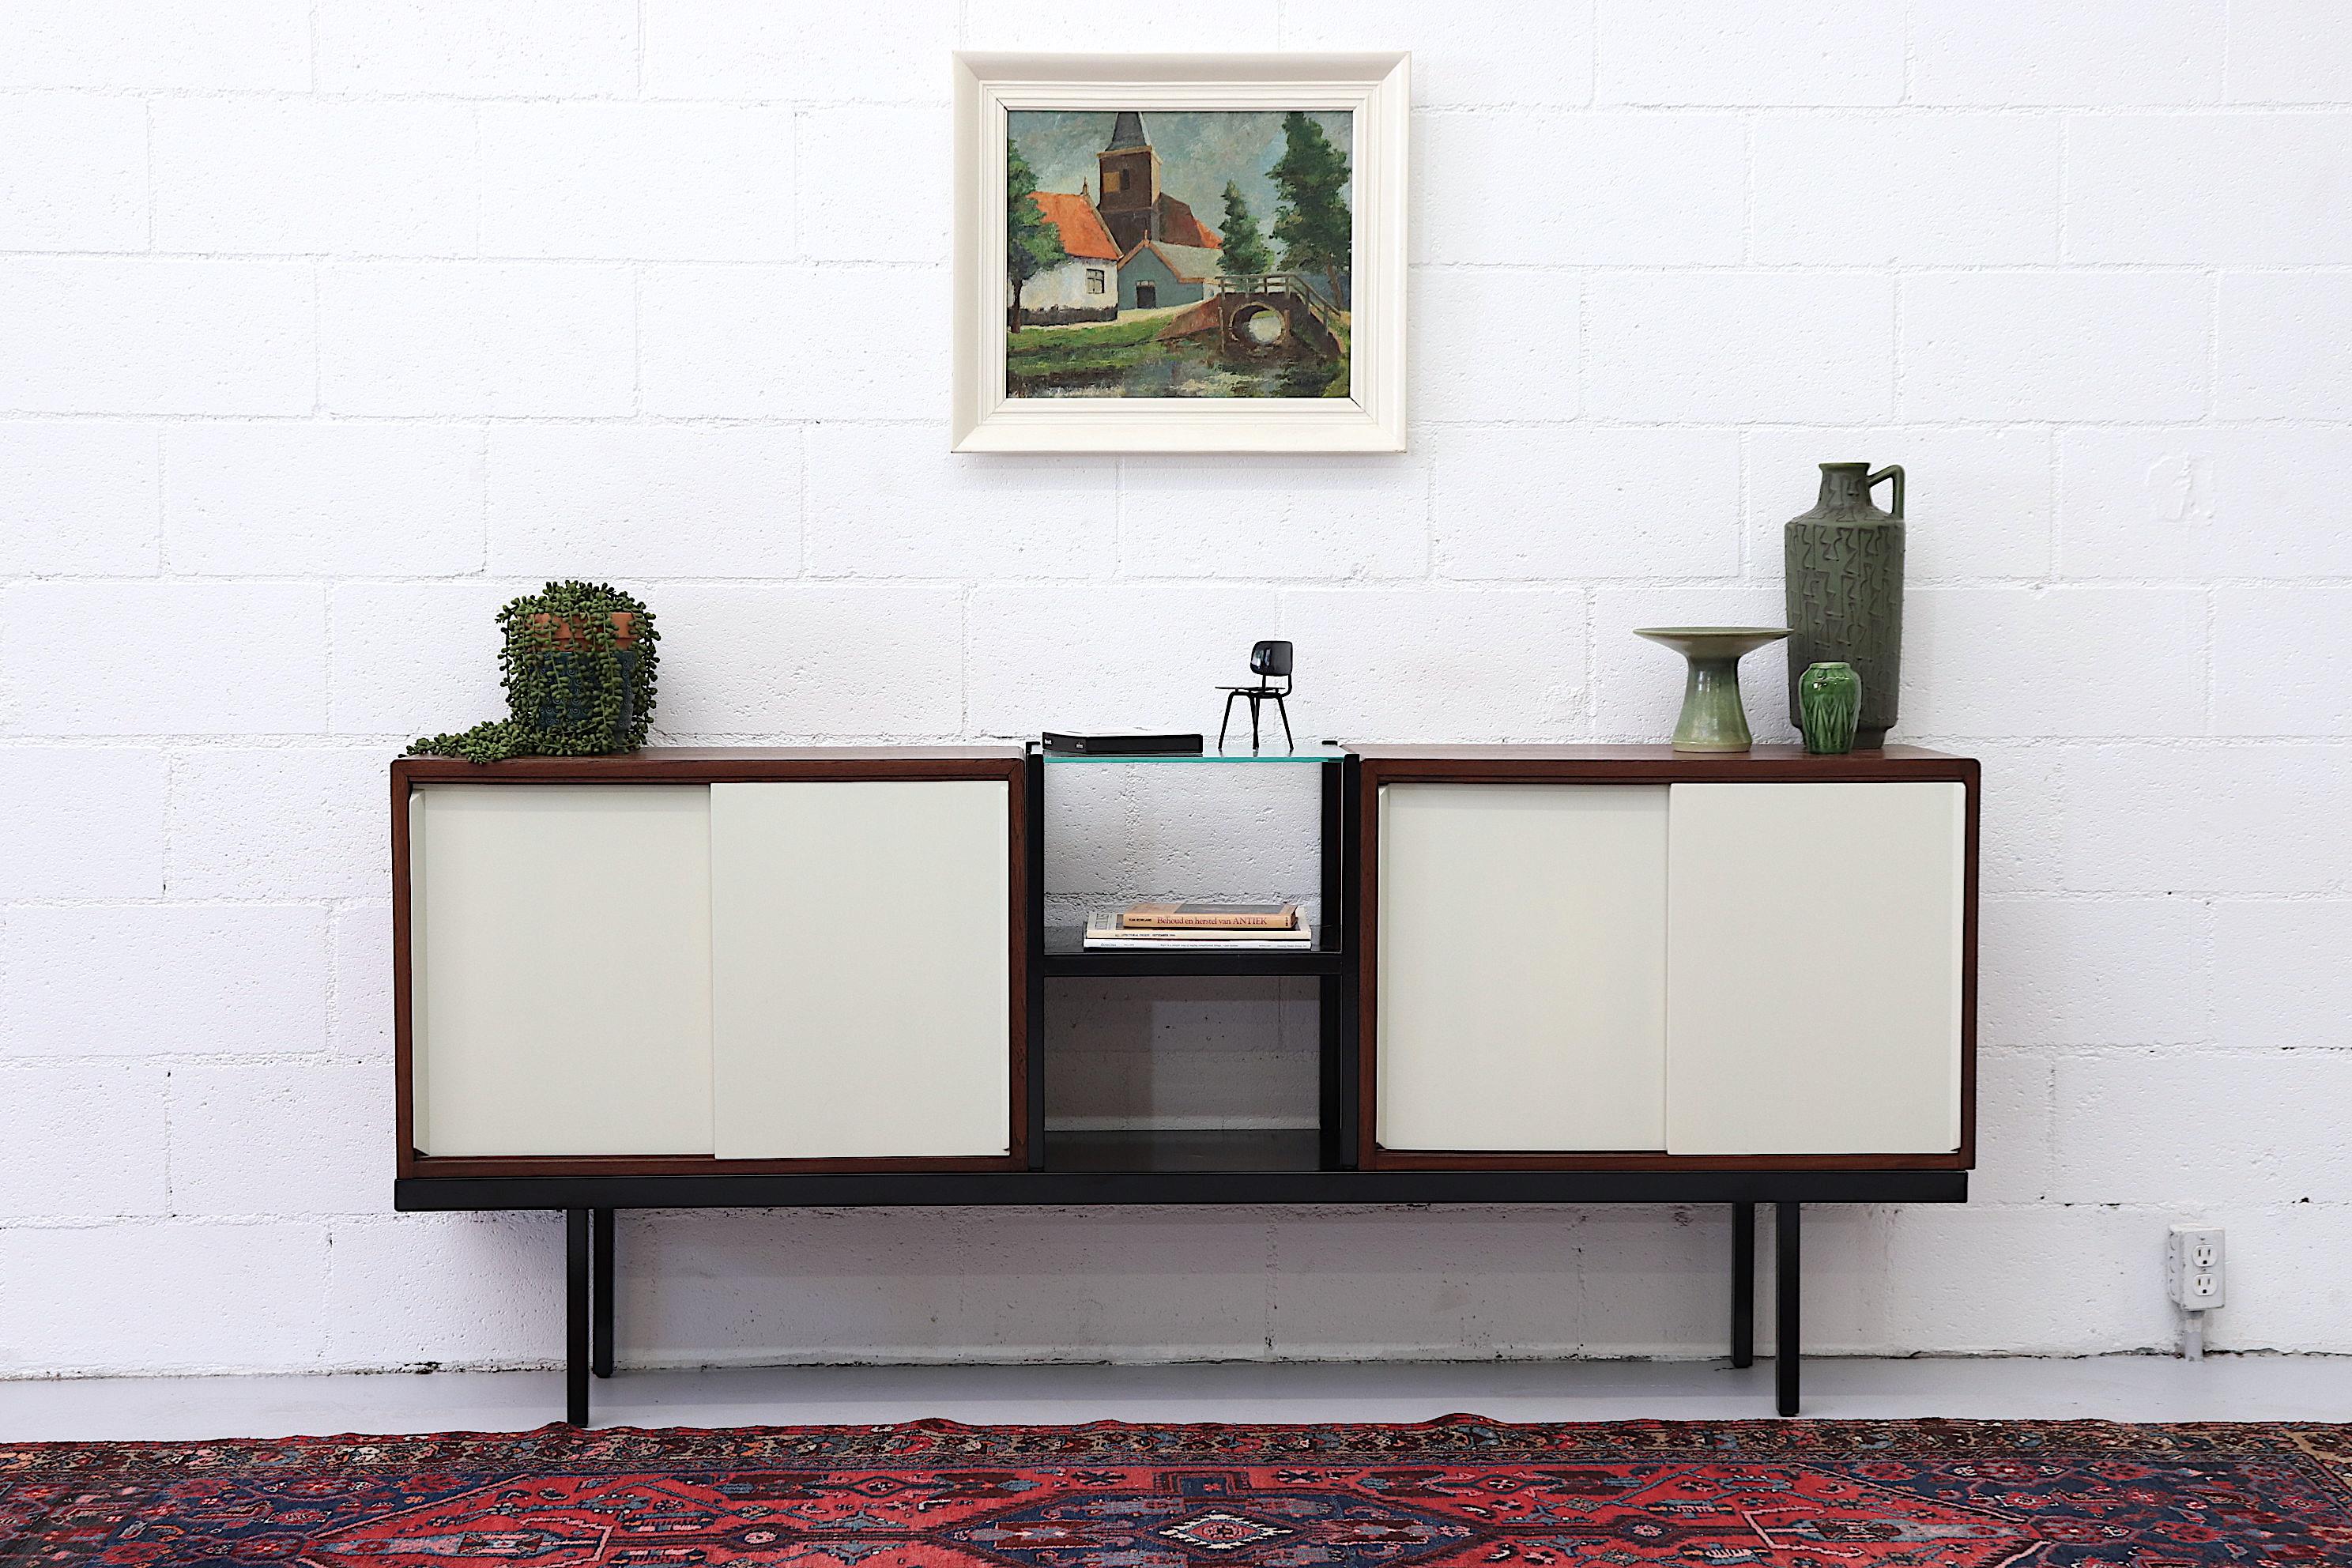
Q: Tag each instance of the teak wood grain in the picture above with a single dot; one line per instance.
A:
(1382, 765)
(688, 765)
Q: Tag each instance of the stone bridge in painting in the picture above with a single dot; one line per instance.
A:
(1264, 313)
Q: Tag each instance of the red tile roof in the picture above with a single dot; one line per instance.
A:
(1080, 226)
(1179, 226)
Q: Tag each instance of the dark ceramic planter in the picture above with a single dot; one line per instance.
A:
(1844, 576)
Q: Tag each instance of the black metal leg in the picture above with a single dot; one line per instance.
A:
(600, 1298)
(575, 1316)
(1226, 722)
(1743, 1284)
(1290, 742)
(1254, 700)
(1785, 1273)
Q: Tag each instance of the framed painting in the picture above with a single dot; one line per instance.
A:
(1179, 253)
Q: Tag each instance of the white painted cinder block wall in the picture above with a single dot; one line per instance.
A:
(325, 325)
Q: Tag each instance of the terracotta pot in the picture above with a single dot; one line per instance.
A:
(562, 631)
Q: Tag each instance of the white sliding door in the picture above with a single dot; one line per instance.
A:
(559, 959)
(862, 968)
(1522, 936)
(1814, 968)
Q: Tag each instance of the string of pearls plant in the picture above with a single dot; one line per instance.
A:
(577, 660)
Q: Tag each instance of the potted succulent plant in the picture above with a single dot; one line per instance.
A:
(577, 660)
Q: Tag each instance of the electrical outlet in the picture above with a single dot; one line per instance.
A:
(2193, 1265)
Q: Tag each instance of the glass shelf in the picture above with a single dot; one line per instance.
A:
(1324, 755)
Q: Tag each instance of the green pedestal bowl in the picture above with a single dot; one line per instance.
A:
(1713, 718)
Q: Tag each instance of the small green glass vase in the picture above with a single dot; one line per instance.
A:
(1829, 703)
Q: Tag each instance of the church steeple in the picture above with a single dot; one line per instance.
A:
(1131, 183)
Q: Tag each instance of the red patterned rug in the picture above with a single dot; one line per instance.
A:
(1954, 1494)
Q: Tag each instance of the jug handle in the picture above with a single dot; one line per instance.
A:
(1892, 471)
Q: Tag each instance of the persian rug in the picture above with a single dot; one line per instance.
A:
(1955, 1494)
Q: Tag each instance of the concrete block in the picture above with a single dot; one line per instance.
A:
(2105, 971)
(812, 659)
(1581, 502)
(154, 980)
(2285, 1291)
(140, 335)
(73, 172)
(1952, 190)
(1403, 664)
(184, 1298)
(333, 176)
(478, 48)
(84, 822)
(342, 499)
(2281, 353)
(892, 501)
(874, 184)
(296, 822)
(1733, 346)
(2075, 1281)
(359, 1010)
(2289, 51)
(1599, 203)
(1840, 52)
(1979, 661)
(1312, 516)
(2144, 1127)
(414, 659)
(113, 657)
(2279, 976)
(1461, 58)
(2233, 189)
(2213, 818)
(2017, 1133)
(750, 49)
(1489, 338)
(2098, 53)
(644, 501)
(2281, 660)
(794, 343)
(477, 338)
(2191, 502)
(144, 45)
(79, 498)
(85, 1140)
(1979, 504)
(2054, 345)
(281, 1139)
(705, 181)
(427, 1291)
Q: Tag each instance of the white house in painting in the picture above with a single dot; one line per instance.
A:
(1085, 287)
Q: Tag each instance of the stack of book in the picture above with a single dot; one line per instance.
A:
(1221, 926)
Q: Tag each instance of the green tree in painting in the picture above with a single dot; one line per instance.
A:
(1030, 244)
(1312, 220)
(1245, 249)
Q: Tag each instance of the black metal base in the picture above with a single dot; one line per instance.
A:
(589, 1291)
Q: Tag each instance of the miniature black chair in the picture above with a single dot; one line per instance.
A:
(1267, 660)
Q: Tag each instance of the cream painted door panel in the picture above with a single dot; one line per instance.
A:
(1522, 933)
(862, 977)
(1814, 968)
(559, 956)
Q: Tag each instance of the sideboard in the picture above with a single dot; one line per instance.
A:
(818, 977)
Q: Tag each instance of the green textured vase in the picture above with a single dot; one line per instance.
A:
(1713, 718)
(1829, 702)
(1844, 578)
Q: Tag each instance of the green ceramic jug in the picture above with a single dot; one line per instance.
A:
(1845, 579)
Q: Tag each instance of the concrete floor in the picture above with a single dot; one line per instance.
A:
(2126, 1388)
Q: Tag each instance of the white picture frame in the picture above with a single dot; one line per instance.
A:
(1374, 88)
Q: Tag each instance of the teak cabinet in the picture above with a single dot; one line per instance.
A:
(1582, 958)
(705, 962)
(684, 978)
